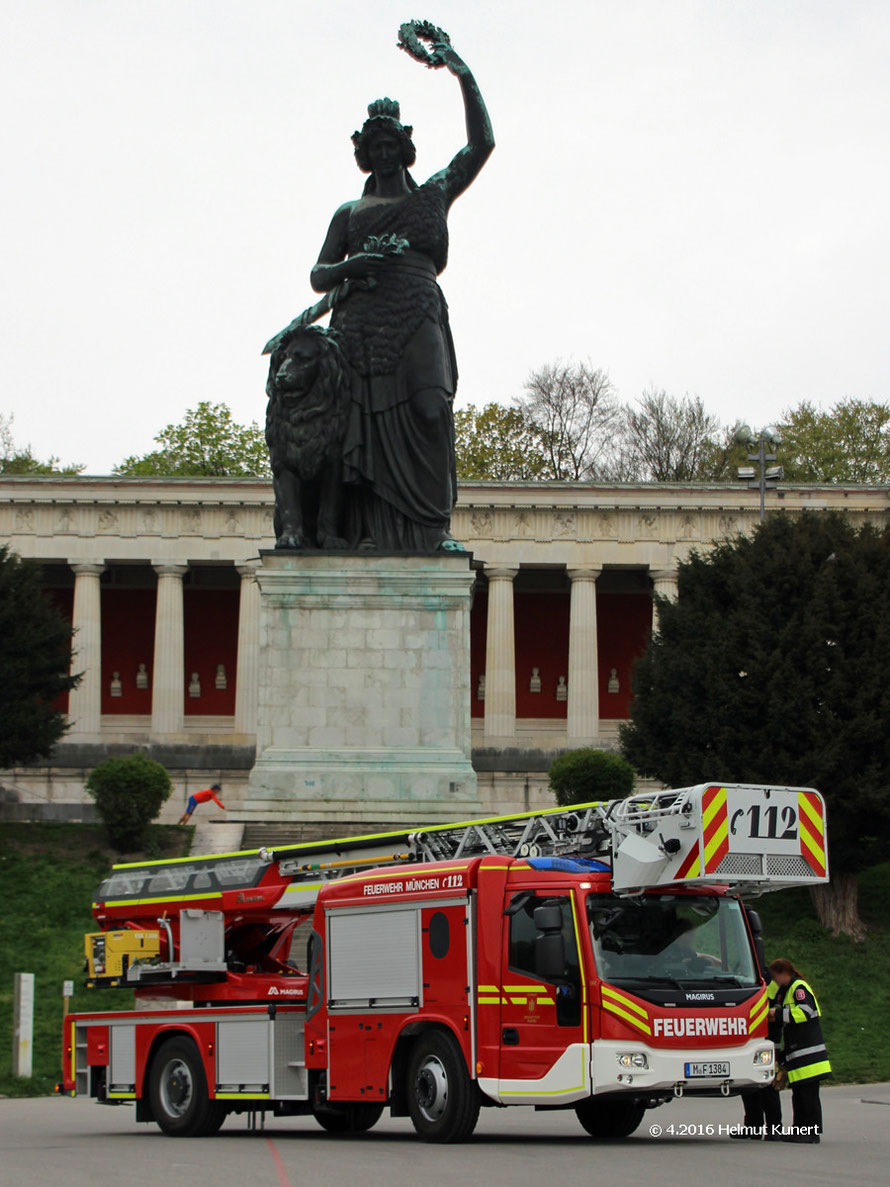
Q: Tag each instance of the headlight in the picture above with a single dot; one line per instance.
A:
(633, 1059)
(763, 1056)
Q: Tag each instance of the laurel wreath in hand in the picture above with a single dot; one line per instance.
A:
(385, 245)
(413, 34)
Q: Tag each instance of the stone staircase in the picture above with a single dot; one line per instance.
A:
(216, 836)
(258, 835)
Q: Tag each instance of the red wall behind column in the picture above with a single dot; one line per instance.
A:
(211, 638)
(541, 626)
(128, 640)
(624, 621)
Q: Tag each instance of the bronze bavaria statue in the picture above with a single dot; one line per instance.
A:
(378, 268)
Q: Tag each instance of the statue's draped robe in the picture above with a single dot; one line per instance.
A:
(399, 448)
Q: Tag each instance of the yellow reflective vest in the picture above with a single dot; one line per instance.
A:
(805, 1053)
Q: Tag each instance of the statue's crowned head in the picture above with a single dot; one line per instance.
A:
(383, 117)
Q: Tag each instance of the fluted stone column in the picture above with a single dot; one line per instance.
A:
(84, 702)
(247, 671)
(168, 671)
(664, 582)
(582, 726)
(500, 656)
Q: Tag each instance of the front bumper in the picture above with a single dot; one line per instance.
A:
(666, 1071)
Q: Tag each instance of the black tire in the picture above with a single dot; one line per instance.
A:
(606, 1119)
(218, 1114)
(178, 1092)
(353, 1117)
(442, 1099)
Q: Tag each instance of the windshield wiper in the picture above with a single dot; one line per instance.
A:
(734, 979)
(664, 979)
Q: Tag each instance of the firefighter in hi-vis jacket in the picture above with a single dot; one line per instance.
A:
(805, 1058)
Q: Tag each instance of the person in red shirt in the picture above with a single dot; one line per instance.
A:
(201, 797)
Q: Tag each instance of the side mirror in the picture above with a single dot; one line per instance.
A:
(755, 922)
(550, 956)
(548, 918)
(550, 949)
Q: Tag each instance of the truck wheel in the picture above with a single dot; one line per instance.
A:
(356, 1117)
(178, 1092)
(442, 1099)
(610, 1118)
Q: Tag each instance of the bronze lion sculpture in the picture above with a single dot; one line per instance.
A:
(308, 392)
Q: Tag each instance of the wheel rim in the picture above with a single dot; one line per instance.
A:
(177, 1088)
(431, 1088)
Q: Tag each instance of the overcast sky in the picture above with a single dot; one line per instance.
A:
(693, 194)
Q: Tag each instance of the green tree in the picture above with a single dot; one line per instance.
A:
(771, 667)
(849, 443)
(208, 443)
(129, 793)
(16, 459)
(498, 444)
(582, 776)
(35, 655)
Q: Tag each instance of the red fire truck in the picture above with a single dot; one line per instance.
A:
(597, 958)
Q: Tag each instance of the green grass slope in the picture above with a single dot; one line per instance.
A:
(851, 981)
(48, 874)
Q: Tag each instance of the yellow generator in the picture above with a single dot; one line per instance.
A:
(110, 953)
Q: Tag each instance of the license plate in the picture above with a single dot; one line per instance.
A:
(694, 1070)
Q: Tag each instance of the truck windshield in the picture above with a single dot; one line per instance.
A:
(698, 940)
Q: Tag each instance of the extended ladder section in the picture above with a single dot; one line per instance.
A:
(746, 837)
(739, 835)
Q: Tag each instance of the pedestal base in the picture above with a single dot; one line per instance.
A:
(364, 700)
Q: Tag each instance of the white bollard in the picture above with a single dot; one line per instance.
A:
(23, 1027)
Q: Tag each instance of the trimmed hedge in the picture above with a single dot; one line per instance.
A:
(129, 793)
(579, 776)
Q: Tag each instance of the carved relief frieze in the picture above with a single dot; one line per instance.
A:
(190, 521)
(563, 524)
(481, 522)
(523, 523)
(647, 526)
(149, 521)
(728, 525)
(689, 527)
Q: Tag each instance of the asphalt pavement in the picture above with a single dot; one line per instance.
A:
(49, 1141)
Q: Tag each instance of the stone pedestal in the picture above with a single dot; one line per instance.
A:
(363, 710)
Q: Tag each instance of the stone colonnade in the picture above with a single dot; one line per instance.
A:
(168, 669)
(582, 724)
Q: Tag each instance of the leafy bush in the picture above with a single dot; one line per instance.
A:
(129, 793)
(579, 776)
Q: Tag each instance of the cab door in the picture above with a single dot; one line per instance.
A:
(543, 1031)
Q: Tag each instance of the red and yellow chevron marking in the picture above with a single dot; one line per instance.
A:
(812, 831)
(758, 1013)
(715, 827)
(625, 1008)
(691, 867)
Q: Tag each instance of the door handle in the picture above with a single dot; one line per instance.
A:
(510, 1036)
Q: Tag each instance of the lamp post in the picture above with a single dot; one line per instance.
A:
(764, 442)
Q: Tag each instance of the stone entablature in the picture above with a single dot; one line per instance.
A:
(84, 519)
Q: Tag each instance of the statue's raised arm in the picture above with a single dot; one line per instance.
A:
(392, 481)
(467, 163)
